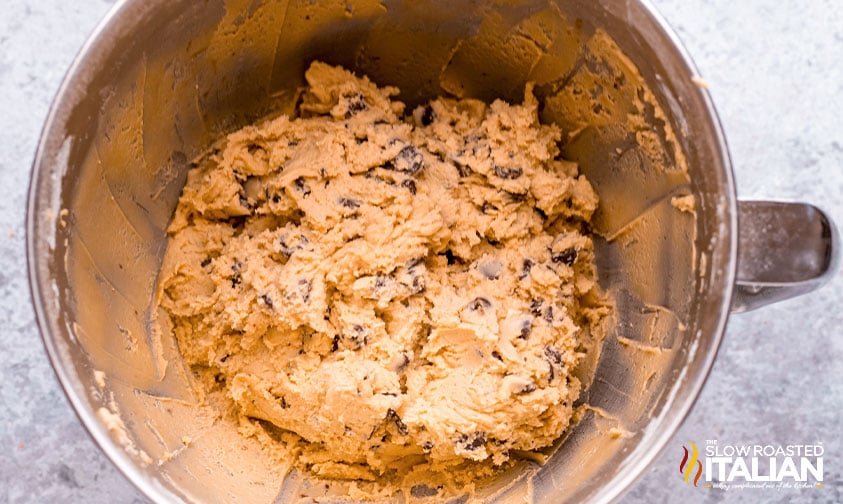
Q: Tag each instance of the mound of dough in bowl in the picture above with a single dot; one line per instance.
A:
(387, 295)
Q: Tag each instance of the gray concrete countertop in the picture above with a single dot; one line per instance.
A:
(775, 69)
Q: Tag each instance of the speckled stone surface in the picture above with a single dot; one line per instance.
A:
(775, 71)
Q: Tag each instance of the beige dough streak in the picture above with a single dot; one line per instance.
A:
(403, 292)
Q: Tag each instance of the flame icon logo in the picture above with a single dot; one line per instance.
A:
(686, 467)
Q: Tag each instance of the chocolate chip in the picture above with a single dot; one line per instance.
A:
(403, 362)
(266, 300)
(336, 343)
(567, 256)
(526, 328)
(508, 173)
(480, 305)
(422, 491)
(497, 355)
(427, 446)
(284, 404)
(236, 278)
(471, 442)
(463, 169)
(410, 185)
(288, 249)
(244, 201)
(548, 314)
(414, 262)
(428, 116)
(417, 286)
(526, 389)
(372, 174)
(516, 198)
(553, 355)
(357, 103)
(349, 202)
(409, 160)
(301, 186)
(356, 337)
(491, 269)
(304, 289)
(536, 307)
(526, 267)
(554, 359)
(392, 416)
(205, 262)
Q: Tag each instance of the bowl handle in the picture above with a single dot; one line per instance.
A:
(784, 250)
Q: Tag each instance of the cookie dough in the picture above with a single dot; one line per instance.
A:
(388, 290)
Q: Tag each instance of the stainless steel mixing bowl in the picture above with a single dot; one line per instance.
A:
(161, 79)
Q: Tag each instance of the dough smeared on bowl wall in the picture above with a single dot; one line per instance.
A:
(387, 292)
